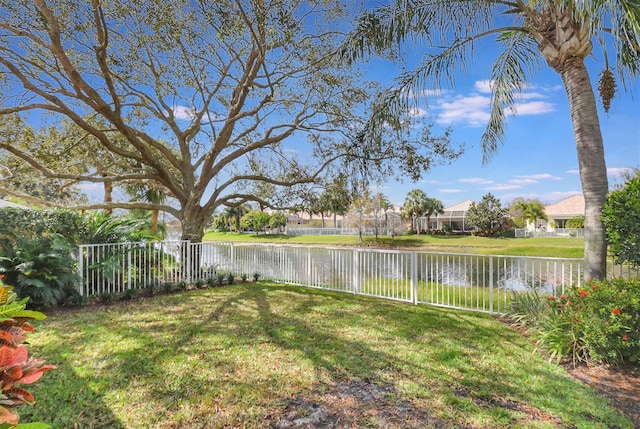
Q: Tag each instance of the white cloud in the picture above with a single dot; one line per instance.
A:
(574, 171)
(473, 109)
(523, 181)
(450, 191)
(417, 112)
(618, 171)
(183, 112)
(484, 86)
(542, 176)
(502, 187)
(476, 181)
(532, 108)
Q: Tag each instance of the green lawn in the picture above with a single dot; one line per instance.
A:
(561, 247)
(238, 356)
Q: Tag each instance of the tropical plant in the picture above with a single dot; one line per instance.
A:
(432, 206)
(529, 210)
(41, 268)
(414, 207)
(575, 222)
(16, 369)
(562, 33)
(621, 218)
(233, 214)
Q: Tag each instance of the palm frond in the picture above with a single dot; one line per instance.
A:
(510, 72)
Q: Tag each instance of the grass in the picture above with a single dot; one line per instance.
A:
(234, 356)
(561, 247)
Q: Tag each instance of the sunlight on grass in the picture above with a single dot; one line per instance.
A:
(561, 247)
(233, 356)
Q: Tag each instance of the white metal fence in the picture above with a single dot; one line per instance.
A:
(556, 232)
(466, 281)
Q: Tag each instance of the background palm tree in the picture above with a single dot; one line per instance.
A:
(531, 210)
(432, 206)
(414, 207)
(560, 32)
(234, 214)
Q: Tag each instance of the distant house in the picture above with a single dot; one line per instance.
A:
(454, 217)
(564, 210)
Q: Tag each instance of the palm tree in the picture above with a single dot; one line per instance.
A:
(150, 193)
(234, 214)
(531, 210)
(560, 32)
(432, 206)
(414, 207)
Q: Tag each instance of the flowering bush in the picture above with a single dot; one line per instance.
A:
(600, 322)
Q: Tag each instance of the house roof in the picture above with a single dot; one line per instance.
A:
(456, 210)
(567, 208)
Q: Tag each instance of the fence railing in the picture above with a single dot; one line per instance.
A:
(466, 281)
(556, 232)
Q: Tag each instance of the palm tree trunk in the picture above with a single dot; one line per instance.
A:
(593, 170)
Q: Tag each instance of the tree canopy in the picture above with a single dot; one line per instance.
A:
(200, 96)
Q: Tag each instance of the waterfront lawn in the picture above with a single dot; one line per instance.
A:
(238, 356)
(559, 247)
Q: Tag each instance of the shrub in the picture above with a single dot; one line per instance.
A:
(40, 268)
(167, 287)
(230, 278)
(599, 322)
(16, 369)
(621, 219)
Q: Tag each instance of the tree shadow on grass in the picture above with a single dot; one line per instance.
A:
(65, 400)
(234, 357)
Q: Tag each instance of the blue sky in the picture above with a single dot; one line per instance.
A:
(538, 159)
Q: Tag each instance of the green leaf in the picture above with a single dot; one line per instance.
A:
(35, 315)
(8, 311)
(32, 426)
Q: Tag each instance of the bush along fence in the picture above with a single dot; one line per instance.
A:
(464, 281)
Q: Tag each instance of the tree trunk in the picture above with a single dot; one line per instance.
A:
(593, 170)
(193, 221)
(108, 195)
(154, 221)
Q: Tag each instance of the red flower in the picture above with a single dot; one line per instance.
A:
(569, 302)
(583, 293)
(551, 298)
(615, 311)
(625, 338)
(594, 287)
(563, 297)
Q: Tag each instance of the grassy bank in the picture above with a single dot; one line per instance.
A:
(238, 356)
(561, 247)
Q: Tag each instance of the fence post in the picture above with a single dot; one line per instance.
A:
(129, 250)
(491, 284)
(309, 267)
(414, 277)
(81, 270)
(233, 258)
(356, 271)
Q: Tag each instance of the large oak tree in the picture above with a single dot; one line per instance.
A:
(201, 95)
